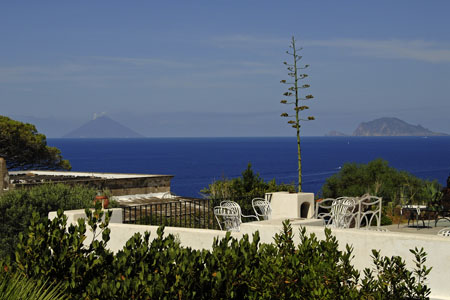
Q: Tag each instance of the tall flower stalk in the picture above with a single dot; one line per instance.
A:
(294, 87)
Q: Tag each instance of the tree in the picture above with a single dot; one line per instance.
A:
(294, 91)
(17, 207)
(24, 148)
(243, 189)
(379, 179)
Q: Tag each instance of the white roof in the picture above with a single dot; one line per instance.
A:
(84, 174)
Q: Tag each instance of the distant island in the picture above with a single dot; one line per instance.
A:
(335, 133)
(103, 127)
(388, 127)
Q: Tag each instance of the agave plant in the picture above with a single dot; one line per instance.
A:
(18, 287)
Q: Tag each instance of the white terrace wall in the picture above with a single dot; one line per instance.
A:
(362, 241)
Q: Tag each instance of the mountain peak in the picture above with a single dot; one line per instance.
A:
(103, 127)
(392, 127)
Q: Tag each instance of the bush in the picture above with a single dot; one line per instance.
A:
(379, 179)
(17, 207)
(243, 189)
(233, 269)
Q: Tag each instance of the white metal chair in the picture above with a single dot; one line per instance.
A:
(229, 213)
(323, 209)
(229, 203)
(342, 212)
(262, 208)
(444, 232)
(369, 210)
(168, 195)
(229, 217)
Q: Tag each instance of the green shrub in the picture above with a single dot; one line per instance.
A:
(391, 279)
(54, 251)
(17, 207)
(243, 189)
(234, 269)
(379, 179)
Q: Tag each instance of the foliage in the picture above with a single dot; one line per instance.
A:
(434, 192)
(49, 251)
(385, 220)
(243, 189)
(234, 269)
(18, 287)
(18, 205)
(393, 281)
(379, 179)
(315, 269)
(294, 91)
(24, 148)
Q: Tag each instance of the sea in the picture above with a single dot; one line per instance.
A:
(197, 162)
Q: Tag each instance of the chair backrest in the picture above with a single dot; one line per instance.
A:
(232, 206)
(235, 214)
(369, 211)
(168, 195)
(229, 216)
(262, 208)
(342, 212)
(323, 208)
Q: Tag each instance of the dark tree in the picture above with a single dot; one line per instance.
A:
(294, 71)
(24, 148)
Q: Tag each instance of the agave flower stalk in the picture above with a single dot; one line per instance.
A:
(294, 88)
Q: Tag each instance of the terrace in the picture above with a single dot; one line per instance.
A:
(299, 209)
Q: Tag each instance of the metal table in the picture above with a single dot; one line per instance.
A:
(415, 213)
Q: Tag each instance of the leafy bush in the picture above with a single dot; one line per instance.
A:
(393, 281)
(243, 189)
(17, 206)
(233, 269)
(378, 178)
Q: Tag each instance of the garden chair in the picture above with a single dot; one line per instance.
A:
(229, 213)
(323, 209)
(369, 211)
(262, 208)
(342, 212)
(168, 195)
(229, 203)
(228, 217)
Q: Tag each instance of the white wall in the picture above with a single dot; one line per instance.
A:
(288, 205)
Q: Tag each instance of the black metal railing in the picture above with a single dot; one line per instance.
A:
(180, 213)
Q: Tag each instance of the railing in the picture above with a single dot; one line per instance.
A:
(180, 213)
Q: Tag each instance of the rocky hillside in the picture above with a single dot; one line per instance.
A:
(392, 127)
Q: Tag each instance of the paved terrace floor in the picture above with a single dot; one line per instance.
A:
(428, 229)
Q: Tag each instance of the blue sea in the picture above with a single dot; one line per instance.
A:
(197, 162)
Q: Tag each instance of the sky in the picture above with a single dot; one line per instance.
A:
(213, 68)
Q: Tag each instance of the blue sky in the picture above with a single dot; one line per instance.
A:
(212, 68)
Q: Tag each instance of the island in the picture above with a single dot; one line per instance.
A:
(103, 127)
(392, 127)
